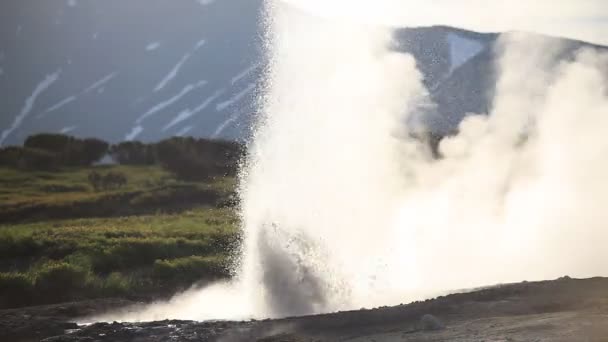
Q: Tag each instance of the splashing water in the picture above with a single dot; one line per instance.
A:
(324, 178)
(342, 209)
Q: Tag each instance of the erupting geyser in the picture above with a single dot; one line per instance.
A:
(324, 178)
(343, 209)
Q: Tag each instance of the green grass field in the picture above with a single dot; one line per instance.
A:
(159, 247)
(22, 187)
(37, 195)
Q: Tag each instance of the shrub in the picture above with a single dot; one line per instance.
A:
(53, 143)
(10, 156)
(15, 289)
(134, 256)
(198, 159)
(133, 153)
(14, 282)
(33, 159)
(116, 284)
(95, 179)
(93, 150)
(113, 180)
(18, 246)
(68, 150)
(134, 252)
(60, 280)
(28, 158)
(166, 196)
(62, 188)
(189, 270)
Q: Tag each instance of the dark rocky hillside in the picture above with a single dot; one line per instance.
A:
(150, 69)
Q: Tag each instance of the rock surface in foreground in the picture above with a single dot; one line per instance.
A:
(561, 310)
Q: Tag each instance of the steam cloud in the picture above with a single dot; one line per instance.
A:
(342, 209)
(585, 20)
(518, 194)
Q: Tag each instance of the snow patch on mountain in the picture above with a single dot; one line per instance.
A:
(173, 73)
(101, 82)
(235, 99)
(205, 2)
(462, 49)
(186, 114)
(29, 103)
(200, 44)
(209, 100)
(68, 129)
(58, 105)
(231, 119)
(152, 46)
(157, 108)
(243, 73)
(137, 130)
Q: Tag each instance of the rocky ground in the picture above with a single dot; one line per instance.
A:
(561, 310)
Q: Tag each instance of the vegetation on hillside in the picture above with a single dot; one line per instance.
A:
(153, 220)
(185, 158)
(139, 256)
(72, 193)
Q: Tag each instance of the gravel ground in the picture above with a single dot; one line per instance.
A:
(560, 310)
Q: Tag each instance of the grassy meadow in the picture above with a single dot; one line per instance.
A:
(63, 240)
(40, 195)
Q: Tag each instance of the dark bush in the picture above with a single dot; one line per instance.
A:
(114, 180)
(54, 143)
(20, 246)
(93, 150)
(15, 290)
(116, 284)
(191, 269)
(67, 150)
(33, 159)
(83, 152)
(61, 188)
(28, 158)
(133, 153)
(170, 195)
(131, 253)
(198, 159)
(95, 179)
(10, 156)
(60, 280)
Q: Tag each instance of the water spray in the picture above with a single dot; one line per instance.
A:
(341, 209)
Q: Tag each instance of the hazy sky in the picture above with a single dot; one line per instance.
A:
(580, 19)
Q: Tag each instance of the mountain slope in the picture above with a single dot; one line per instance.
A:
(148, 69)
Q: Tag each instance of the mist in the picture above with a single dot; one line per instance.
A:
(584, 20)
(518, 193)
(343, 209)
